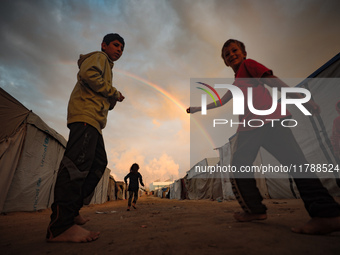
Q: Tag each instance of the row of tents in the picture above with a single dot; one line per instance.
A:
(30, 153)
(313, 135)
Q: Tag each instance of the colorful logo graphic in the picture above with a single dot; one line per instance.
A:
(209, 93)
(239, 99)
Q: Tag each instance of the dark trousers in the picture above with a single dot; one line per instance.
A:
(133, 194)
(80, 170)
(280, 142)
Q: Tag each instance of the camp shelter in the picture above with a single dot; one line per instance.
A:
(158, 193)
(198, 183)
(175, 189)
(100, 194)
(313, 134)
(121, 190)
(179, 189)
(165, 192)
(30, 152)
(158, 184)
(111, 190)
(202, 184)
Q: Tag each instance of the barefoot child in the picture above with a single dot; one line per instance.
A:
(85, 160)
(135, 177)
(277, 140)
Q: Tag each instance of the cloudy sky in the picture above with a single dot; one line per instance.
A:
(167, 43)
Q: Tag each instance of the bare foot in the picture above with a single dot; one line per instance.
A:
(76, 234)
(319, 226)
(80, 220)
(245, 217)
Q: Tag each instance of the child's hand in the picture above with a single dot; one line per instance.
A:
(193, 109)
(121, 97)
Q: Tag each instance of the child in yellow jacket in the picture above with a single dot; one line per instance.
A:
(85, 160)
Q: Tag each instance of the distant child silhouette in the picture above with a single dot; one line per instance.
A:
(135, 178)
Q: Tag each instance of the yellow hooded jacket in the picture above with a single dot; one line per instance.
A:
(89, 99)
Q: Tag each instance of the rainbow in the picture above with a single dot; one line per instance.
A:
(155, 87)
(169, 97)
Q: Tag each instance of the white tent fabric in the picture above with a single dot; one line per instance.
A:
(9, 160)
(313, 133)
(33, 178)
(159, 193)
(207, 185)
(225, 153)
(121, 190)
(201, 164)
(175, 190)
(100, 195)
(111, 190)
(204, 185)
(30, 153)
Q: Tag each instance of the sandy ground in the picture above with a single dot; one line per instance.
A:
(163, 226)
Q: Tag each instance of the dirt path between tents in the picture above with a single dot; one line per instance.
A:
(163, 226)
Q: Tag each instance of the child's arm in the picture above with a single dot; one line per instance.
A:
(126, 177)
(114, 100)
(225, 99)
(273, 81)
(141, 180)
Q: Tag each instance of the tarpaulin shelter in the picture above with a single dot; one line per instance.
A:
(203, 184)
(111, 190)
(30, 152)
(100, 193)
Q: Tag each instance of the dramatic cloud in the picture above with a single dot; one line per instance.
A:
(163, 168)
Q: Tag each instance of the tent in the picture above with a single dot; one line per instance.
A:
(198, 183)
(175, 189)
(100, 194)
(202, 184)
(158, 193)
(121, 190)
(30, 153)
(111, 190)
